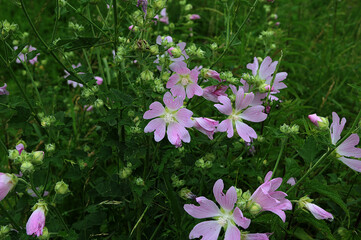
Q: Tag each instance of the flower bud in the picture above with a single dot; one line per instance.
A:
(27, 167)
(50, 147)
(62, 3)
(139, 181)
(147, 75)
(246, 195)
(7, 183)
(37, 157)
(200, 53)
(188, 7)
(214, 46)
(45, 235)
(175, 52)
(13, 154)
(185, 193)
(154, 49)
(98, 103)
(320, 122)
(255, 208)
(4, 230)
(61, 187)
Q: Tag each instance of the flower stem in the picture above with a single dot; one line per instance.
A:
(279, 156)
(13, 222)
(236, 34)
(324, 156)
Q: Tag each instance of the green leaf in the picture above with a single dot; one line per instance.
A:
(309, 150)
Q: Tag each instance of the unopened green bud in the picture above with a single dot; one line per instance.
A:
(61, 187)
(45, 235)
(125, 172)
(183, 2)
(255, 208)
(246, 195)
(239, 193)
(159, 4)
(13, 154)
(154, 49)
(188, 7)
(62, 3)
(139, 181)
(208, 164)
(165, 76)
(50, 147)
(4, 230)
(185, 193)
(147, 75)
(175, 52)
(27, 167)
(324, 123)
(192, 50)
(200, 53)
(37, 157)
(98, 103)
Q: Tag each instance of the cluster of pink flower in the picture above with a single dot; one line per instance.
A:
(183, 83)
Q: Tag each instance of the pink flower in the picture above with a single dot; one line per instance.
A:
(194, 17)
(206, 126)
(71, 82)
(131, 27)
(227, 217)
(23, 57)
(212, 93)
(20, 147)
(32, 193)
(172, 117)
(291, 181)
(36, 223)
(314, 119)
(318, 212)
(7, 183)
(265, 72)
(347, 148)
(74, 84)
(160, 39)
(277, 24)
(271, 200)
(164, 17)
(213, 74)
(99, 80)
(241, 111)
(255, 236)
(3, 90)
(88, 108)
(184, 81)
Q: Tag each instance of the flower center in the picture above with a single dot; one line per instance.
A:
(168, 117)
(185, 80)
(224, 218)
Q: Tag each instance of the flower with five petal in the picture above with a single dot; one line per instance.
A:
(172, 117)
(227, 217)
(346, 151)
(184, 81)
(241, 111)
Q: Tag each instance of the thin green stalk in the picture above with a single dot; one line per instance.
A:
(324, 156)
(236, 34)
(13, 222)
(90, 21)
(115, 11)
(3, 145)
(279, 156)
(57, 17)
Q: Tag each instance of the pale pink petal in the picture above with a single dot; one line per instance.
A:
(177, 132)
(36, 223)
(226, 106)
(209, 230)
(206, 208)
(318, 212)
(348, 149)
(245, 131)
(278, 212)
(239, 98)
(179, 67)
(172, 81)
(159, 40)
(336, 128)
(268, 176)
(253, 66)
(234, 89)
(184, 117)
(179, 91)
(232, 233)
(257, 236)
(267, 68)
(248, 99)
(314, 119)
(226, 126)
(227, 200)
(194, 75)
(156, 109)
(278, 84)
(239, 219)
(158, 126)
(194, 89)
(291, 181)
(275, 183)
(257, 100)
(207, 123)
(171, 102)
(352, 163)
(254, 114)
(5, 185)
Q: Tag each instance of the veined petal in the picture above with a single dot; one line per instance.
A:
(248, 99)
(254, 114)
(206, 208)
(348, 149)
(257, 236)
(232, 232)
(158, 126)
(278, 212)
(227, 200)
(239, 98)
(179, 91)
(156, 109)
(239, 219)
(352, 163)
(172, 80)
(194, 75)
(317, 212)
(253, 66)
(179, 67)
(245, 131)
(226, 126)
(209, 230)
(177, 132)
(336, 128)
(226, 106)
(171, 102)
(194, 89)
(184, 117)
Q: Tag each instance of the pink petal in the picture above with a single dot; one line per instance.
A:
(239, 97)
(245, 131)
(171, 102)
(278, 212)
(239, 219)
(227, 200)
(207, 123)
(194, 89)
(254, 114)
(352, 163)
(158, 126)
(209, 230)
(318, 212)
(314, 119)
(232, 233)
(267, 68)
(206, 208)
(194, 75)
(36, 223)
(277, 83)
(226, 126)
(156, 109)
(5, 185)
(226, 108)
(268, 176)
(291, 181)
(177, 132)
(275, 184)
(257, 100)
(248, 99)
(348, 149)
(257, 236)
(179, 91)
(172, 80)
(336, 128)
(184, 117)
(180, 68)
(253, 66)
